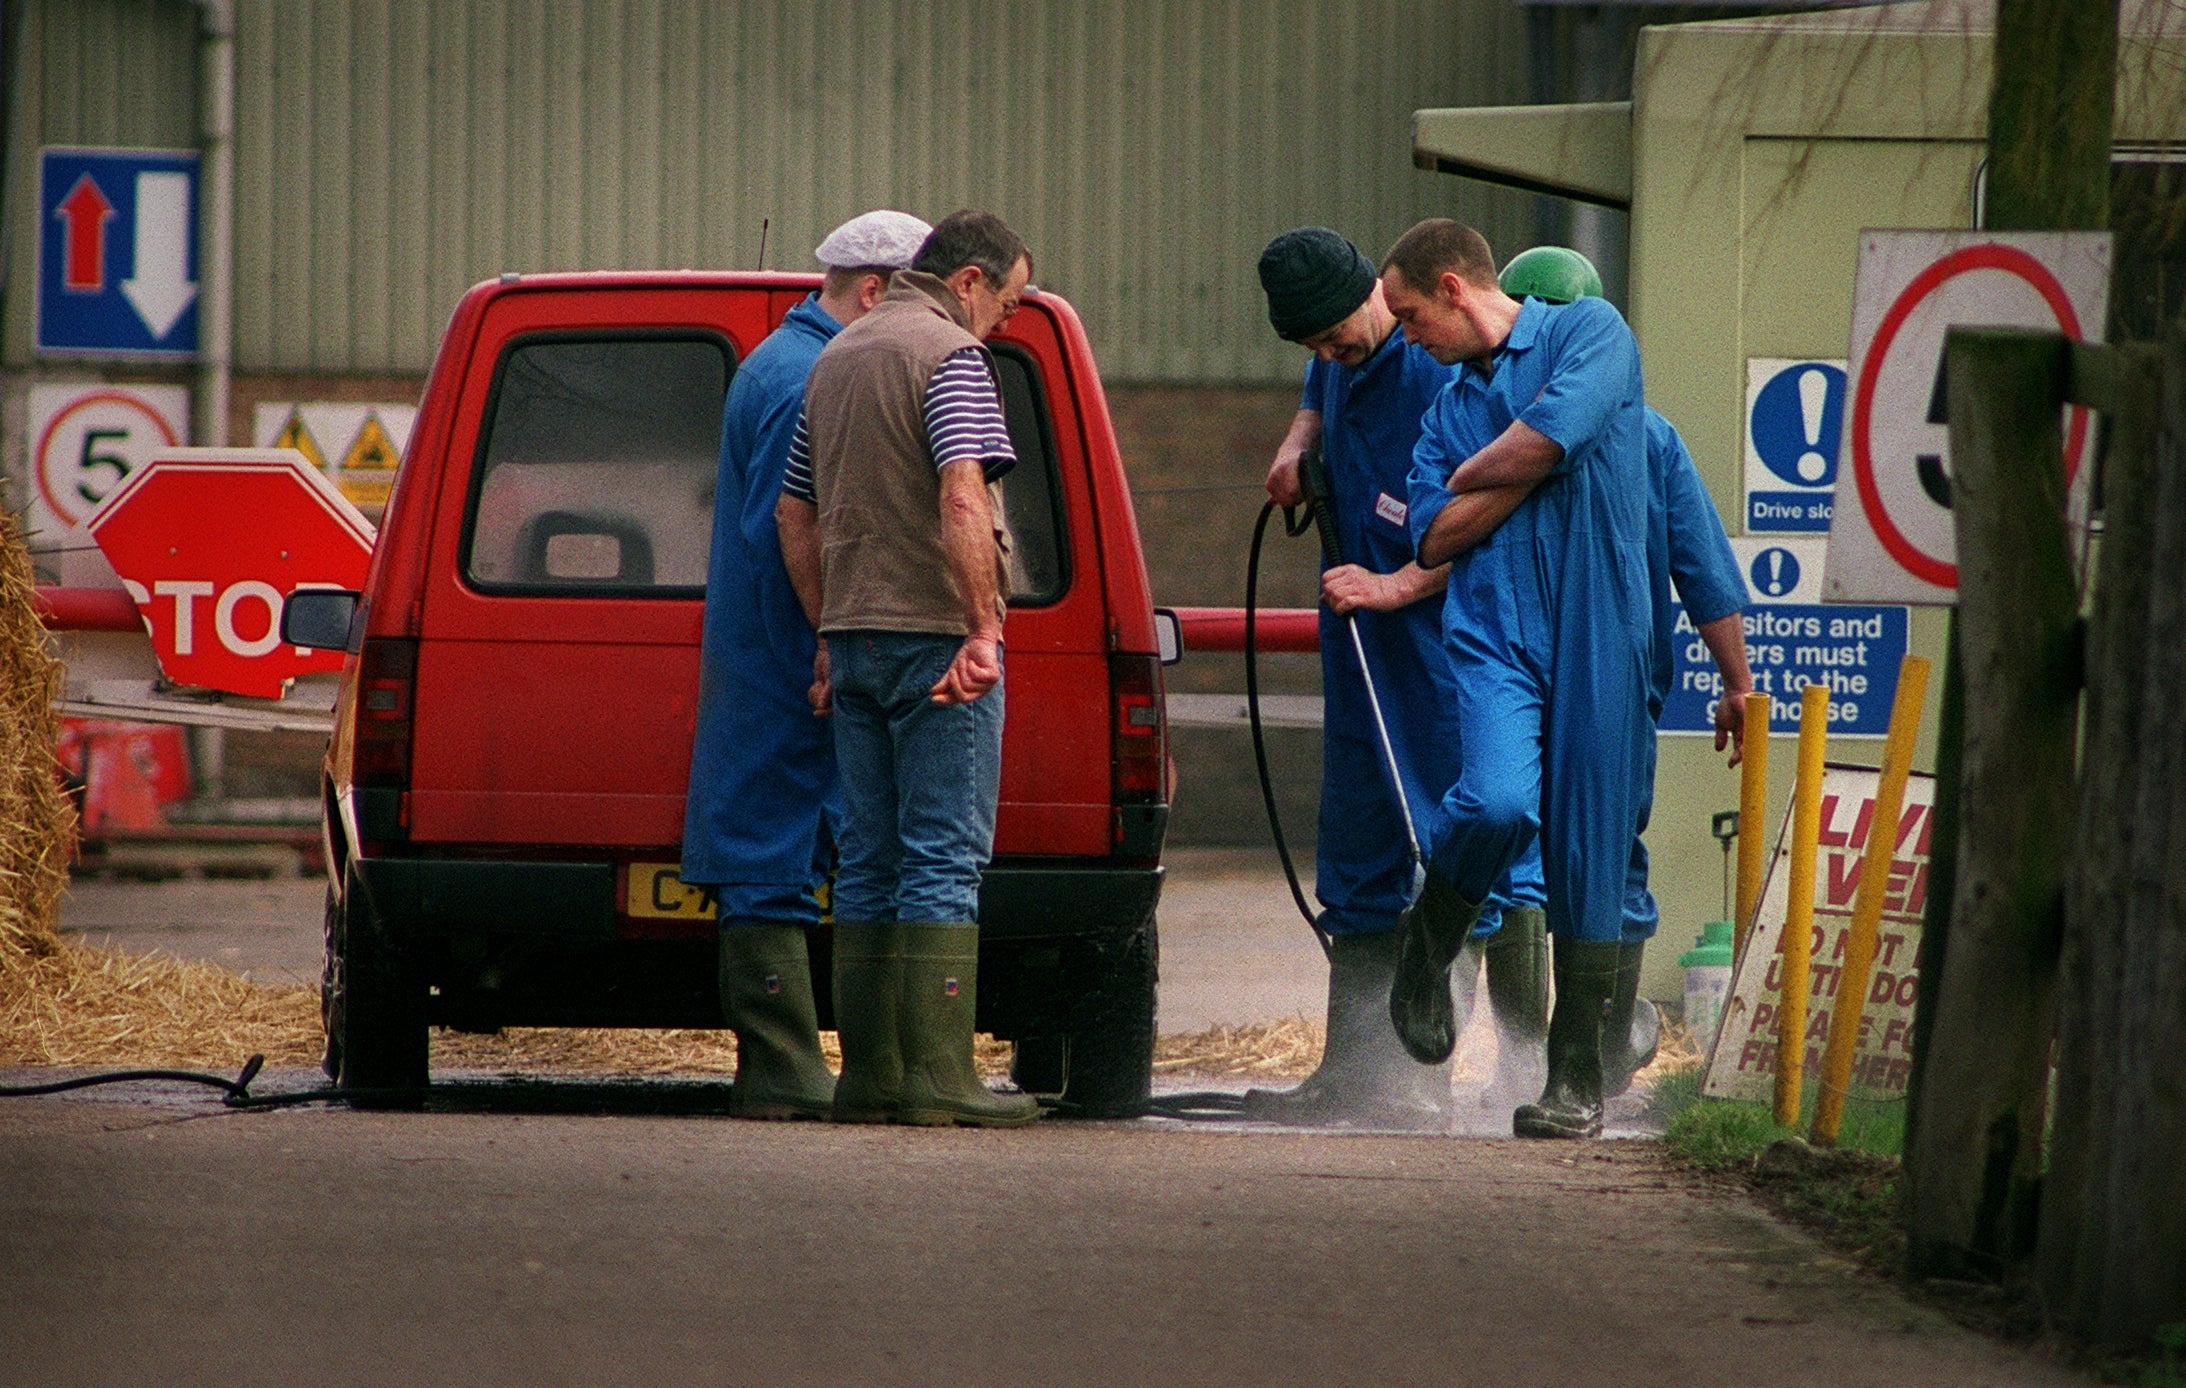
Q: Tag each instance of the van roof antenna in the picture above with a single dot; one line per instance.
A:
(763, 241)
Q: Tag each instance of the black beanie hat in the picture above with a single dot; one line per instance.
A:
(1314, 279)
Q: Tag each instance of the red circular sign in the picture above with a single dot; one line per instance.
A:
(2010, 260)
(72, 511)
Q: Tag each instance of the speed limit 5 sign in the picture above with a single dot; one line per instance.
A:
(85, 441)
(1892, 537)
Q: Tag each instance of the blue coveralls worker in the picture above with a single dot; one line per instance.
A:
(1686, 550)
(763, 782)
(1542, 438)
(1365, 391)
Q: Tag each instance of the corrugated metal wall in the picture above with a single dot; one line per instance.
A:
(119, 73)
(392, 152)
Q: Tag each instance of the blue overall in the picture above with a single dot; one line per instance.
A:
(1685, 546)
(1369, 423)
(1548, 622)
(762, 766)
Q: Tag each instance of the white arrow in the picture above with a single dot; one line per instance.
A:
(160, 290)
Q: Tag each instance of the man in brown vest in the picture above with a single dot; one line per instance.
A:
(894, 542)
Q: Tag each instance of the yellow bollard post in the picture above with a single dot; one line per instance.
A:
(1875, 863)
(1806, 833)
(1753, 809)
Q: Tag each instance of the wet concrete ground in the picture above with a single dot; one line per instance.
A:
(587, 1231)
(174, 1243)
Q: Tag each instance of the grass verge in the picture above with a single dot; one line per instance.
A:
(1847, 1195)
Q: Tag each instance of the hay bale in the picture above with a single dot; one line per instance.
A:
(37, 824)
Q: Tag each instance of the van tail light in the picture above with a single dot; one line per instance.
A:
(386, 694)
(1138, 754)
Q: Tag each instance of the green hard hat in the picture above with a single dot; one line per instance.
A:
(1555, 273)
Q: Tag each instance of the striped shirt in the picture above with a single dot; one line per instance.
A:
(963, 420)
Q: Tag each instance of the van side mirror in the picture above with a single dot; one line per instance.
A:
(1169, 635)
(319, 618)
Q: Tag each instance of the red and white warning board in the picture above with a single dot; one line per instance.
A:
(211, 541)
(1891, 536)
(1742, 1064)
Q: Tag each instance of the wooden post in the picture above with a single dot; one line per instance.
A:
(1795, 978)
(1973, 1168)
(2076, 1226)
(2143, 1265)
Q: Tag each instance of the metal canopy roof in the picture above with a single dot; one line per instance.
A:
(1581, 151)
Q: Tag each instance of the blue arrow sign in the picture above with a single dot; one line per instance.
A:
(117, 252)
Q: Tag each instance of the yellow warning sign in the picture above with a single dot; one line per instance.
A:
(368, 469)
(297, 435)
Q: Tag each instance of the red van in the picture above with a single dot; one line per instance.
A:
(505, 784)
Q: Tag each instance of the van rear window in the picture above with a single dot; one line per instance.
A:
(1038, 561)
(597, 469)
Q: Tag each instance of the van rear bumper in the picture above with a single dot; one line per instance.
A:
(1020, 899)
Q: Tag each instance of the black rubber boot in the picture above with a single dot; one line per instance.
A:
(868, 976)
(1632, 1033)
(1365, 1079)
(1429, 935)
(1571, 1102)
(934, 1017)
(766, 998)
(1517, 957)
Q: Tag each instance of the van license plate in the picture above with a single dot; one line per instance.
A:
(656, 892)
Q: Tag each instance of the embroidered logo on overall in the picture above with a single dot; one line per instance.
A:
(948, 986)
(1390, 509)
(774, 983)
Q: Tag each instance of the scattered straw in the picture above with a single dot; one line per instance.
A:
(37, 824)
(83, 1005)
(1289, 1047)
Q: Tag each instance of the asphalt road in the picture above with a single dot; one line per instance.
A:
(160, 1240)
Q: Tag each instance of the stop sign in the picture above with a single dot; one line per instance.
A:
(211, 541)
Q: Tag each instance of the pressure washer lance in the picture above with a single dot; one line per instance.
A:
(1218, 1105)
(1315, 475)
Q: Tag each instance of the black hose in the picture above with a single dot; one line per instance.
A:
(237, 1089)
(1294, 526)
(236, 1092)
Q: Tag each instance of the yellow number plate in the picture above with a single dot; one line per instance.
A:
(657, 893)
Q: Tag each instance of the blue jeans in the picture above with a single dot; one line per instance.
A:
(920, 779)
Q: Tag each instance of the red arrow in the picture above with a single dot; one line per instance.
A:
(85, 209)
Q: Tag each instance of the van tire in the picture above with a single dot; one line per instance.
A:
(374, 1009)
(1103, 1065)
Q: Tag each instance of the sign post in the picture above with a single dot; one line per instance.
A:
(1794, 424)
(1891, 530)
(117, 252)
(211, 541)
(1793, 639)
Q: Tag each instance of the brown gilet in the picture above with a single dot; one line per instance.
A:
(883, 566)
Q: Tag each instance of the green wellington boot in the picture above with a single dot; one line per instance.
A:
(1571, 1103)
(1632, 1032)
(868, 976)
(1429, 935)
(766, 998)
(934, 1016)
(1365, 1079)
(1517, 957)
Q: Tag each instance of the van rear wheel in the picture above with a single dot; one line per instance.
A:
(1103, 1063)
(374, 1008)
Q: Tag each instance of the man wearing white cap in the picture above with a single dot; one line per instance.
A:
(763, 767)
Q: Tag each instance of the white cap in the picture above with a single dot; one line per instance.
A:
(881, 238)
